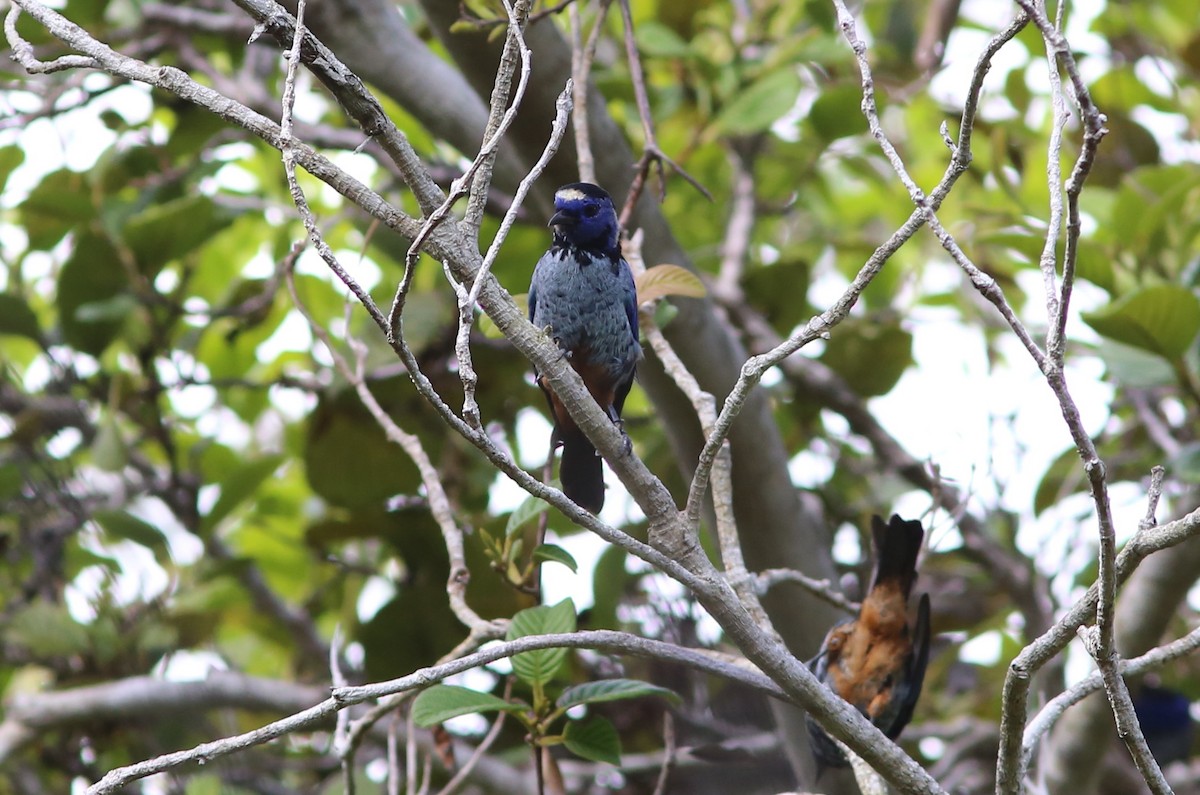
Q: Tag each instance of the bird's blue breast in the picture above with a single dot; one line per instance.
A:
(589, 303)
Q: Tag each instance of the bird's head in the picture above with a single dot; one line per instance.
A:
(585, 218)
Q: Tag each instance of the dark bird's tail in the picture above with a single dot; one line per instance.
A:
(897, 545)
(581, 471)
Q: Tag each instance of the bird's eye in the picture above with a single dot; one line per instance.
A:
(591, 210)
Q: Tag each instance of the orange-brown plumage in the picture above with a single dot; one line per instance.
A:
(874, 661)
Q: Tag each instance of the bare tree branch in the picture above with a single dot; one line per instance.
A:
(611, 642)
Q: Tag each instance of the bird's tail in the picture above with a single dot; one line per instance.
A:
(581, 470)
(897, 545)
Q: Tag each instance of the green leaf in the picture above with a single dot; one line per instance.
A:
(612, 690)
(91, 275)
(47, 630)
(348, 460)
(113, 309)
(526, 512)
(540, 666)
(440, 703)
(122, 524)
(1131, 367)
(108, 447)
(610, 583)
(1163, 319)
(1120, 87)
(240, 484)
(663, 280)
(1096, 265)
(59, 202)
(837, 113)
(555, 554)
(870, 355)
(1063, 477)
(664, 313)
(163, 232)
(762, 104)
(16, 317)
(10, 158)
(595, 739)
(656, 39)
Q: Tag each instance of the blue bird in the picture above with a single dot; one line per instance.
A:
(1166, 720)
(583, 292)
(873, 661)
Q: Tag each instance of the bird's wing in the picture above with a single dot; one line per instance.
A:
(917, 661)
(631, 304)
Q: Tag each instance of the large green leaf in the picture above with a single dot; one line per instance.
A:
(58, 203)
(837, 113)
(348, 459)
(871, 356)
(555, 554)
(658, 40)
(1162, 318)
(163, 232)
(539, 667)
(16, 317)
(612, 690)
(595, 739)
(442, 702)
(762, 104)
(47, 630)
(10, 158)
(1133, 367)
(92, 275)
(238, 485)
(122, 524)
(1063, 477)
(524, 513)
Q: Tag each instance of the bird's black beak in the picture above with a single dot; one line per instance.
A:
(561, 218)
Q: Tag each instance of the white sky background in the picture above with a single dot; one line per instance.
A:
(944, 410)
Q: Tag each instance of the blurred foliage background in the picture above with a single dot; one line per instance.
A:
(187, 484)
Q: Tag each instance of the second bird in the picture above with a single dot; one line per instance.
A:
(583, 292)
(875, 662)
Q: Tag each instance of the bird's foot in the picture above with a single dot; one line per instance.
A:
(620, 423)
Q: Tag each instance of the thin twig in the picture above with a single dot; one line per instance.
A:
(342, 727)
(1152, 660)
(652, 154)
(581, 66)
(274, 20)
(410, 755)
(22, 51)
(600, 640)
(1148, 540)
(439, 502)
(668, 763)
(819, 327)
(1033, 657)
(477, 178)
(720, 474)
(869, 782)
(467, 302)
(822, 589)
(464, 772)
(498, 118)
(1048, 262)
